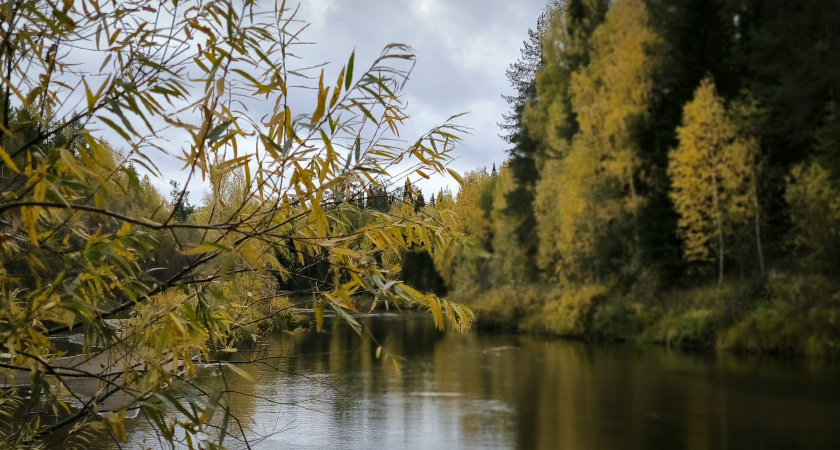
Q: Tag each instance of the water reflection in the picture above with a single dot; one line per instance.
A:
(329, 390)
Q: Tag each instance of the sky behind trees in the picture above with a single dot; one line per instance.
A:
(463, 49)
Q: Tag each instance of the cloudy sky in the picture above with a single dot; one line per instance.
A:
(463, 49)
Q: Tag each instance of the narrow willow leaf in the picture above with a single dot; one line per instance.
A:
(348, 78)
(437, 313)
(239, 371)
(319, 308)
(8, 161)
(354, 324)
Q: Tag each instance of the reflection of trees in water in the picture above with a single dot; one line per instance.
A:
(479, 390)
(357, 377)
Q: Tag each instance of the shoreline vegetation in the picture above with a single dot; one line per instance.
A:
(784, 315)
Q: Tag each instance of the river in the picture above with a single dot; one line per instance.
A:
(329, 390)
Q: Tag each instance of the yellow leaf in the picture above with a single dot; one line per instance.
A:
(353, 254)
(125, 230)
(6, 159)
(38, 338)
(235, 369)
(116, 422)
(437, 313)
(319, 315)
(322, 101)
(29, 217)
(290, 131)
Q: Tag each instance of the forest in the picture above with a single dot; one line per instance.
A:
(673, 177)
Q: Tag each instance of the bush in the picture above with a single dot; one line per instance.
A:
(696, 328)
(569, 315)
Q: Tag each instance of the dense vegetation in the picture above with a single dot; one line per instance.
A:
(674, 177)
(297, 212)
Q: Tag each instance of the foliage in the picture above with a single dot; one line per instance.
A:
(569, 315)
(713, 177)
(815, 213)
(85, 239)
(521, 73)
(655, 138)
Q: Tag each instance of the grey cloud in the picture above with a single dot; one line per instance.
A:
(463, 49)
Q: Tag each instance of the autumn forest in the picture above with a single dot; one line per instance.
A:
(673, 177)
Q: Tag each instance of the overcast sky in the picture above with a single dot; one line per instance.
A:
(463, 49)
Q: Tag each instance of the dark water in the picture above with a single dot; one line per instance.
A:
(488, 391)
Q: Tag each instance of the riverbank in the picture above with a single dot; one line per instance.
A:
(782, 314)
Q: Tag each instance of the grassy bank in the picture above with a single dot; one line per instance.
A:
(783, 314)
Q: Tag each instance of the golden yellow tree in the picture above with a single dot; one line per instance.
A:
(589, 195)
(713, 178)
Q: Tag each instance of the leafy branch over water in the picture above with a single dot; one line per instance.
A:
(85, 238)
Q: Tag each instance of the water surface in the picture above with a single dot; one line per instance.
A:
(328, 390)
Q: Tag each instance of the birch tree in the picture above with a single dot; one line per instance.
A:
(713, 179)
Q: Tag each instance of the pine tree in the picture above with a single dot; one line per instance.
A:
(521, 73)
(180, 202)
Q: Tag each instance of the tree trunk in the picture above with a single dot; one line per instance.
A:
(719, 221)
(757, 223)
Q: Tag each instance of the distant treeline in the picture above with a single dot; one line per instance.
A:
(673, 177)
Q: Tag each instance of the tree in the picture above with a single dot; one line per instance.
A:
(591, 192)
(419, 200)
(789, 53)
(548, 116)
(69, 259)
(815, 212)
(713, 178)
(180, 202)
(521, 73)
(378, 199)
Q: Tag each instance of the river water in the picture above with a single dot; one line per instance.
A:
(328, 390)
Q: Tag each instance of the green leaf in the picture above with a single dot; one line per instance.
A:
(218, 130)
(354, 324)
(348, 77)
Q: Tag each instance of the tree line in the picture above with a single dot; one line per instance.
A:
(660, 149)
